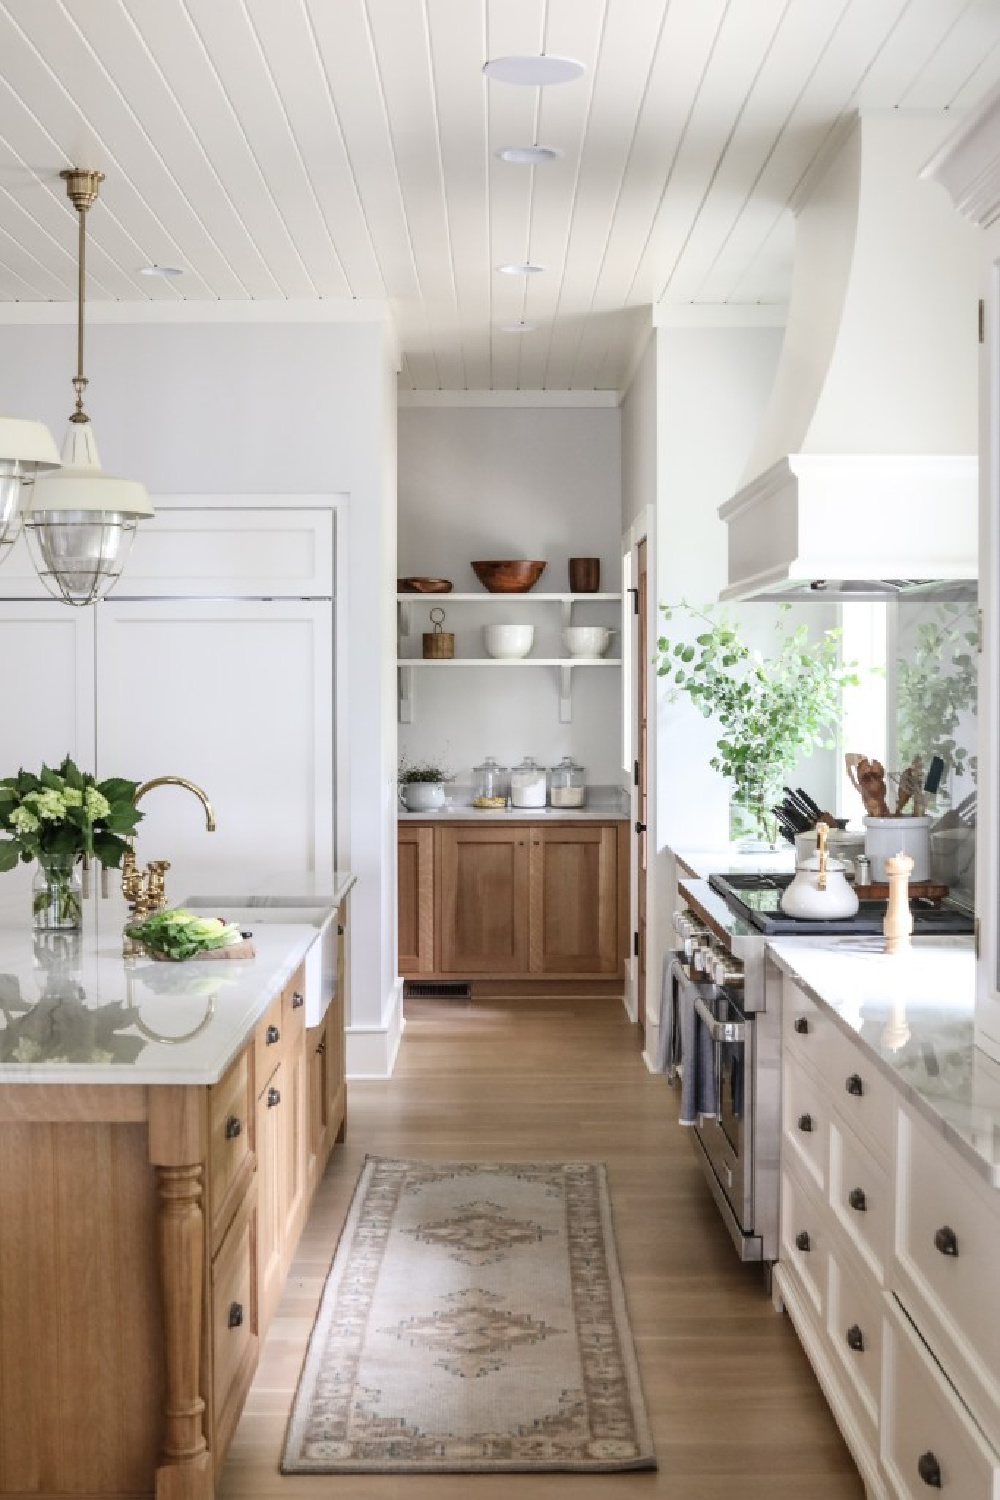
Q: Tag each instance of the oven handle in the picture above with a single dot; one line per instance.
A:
(720, 1031)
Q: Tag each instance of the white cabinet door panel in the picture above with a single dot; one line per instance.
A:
(46, 685)
(236, 553)
(238, 697)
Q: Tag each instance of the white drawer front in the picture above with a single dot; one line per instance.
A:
(860, 1093)
(805, 1121)
(860, 1197)
(947, 1245)
(804, 1026)
(804, 1239)
(854, 1327)
(929, 1442)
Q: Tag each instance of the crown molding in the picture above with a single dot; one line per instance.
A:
(968, 164)
(549, 399)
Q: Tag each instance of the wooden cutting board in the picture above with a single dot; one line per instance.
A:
(245, 949)
(879, 891)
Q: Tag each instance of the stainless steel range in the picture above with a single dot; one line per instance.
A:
(724, 992)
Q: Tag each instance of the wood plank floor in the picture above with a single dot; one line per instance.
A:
(734, 1406)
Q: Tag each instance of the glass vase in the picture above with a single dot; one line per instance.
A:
(56, 895)
(752, 825)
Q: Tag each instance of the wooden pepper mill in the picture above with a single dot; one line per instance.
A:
(898, 921)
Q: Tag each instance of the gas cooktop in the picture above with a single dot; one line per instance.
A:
(757, 899)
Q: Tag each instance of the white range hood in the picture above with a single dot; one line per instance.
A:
(863, 481)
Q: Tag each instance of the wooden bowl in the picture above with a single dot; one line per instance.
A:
(509, 576)
(423, 585)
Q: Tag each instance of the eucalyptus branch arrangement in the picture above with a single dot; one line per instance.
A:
(936, 684)
(771, 709)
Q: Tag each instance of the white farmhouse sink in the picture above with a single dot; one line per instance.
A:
(249, 911)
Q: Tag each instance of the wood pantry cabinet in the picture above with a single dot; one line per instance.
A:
(145, 1236)
(514, 900)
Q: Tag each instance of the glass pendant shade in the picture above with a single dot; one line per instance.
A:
(25, 448)
(80, 522)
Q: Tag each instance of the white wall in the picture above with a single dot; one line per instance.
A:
(268, 408)
(639, 424)
(494, 482)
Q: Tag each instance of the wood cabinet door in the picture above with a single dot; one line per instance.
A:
(482, 900)
(270, 1165)
(294, 1147)
(319, 1102)
(415, 903)
(574, 899)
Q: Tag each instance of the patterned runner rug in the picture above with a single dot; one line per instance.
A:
(473, 1321)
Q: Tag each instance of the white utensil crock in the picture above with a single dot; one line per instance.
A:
(885, 837)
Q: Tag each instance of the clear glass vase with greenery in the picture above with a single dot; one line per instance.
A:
(772, 709)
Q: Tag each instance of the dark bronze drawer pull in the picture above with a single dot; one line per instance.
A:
(802, 1025)
(856, 1198)
(234, 1126)
(297, 1000)
(946, 1240)
(235, 1314)
(929, 1470)
(273, 1097)
(806, 1123)
(802, 1241)
(854, 1085)
(855, 1339)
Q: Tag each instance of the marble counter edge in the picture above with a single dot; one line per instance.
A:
(924, 1106)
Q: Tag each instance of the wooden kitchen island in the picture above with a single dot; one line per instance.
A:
(162, 1131)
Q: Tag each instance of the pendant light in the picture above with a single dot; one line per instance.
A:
(25, 448)
(80, 521)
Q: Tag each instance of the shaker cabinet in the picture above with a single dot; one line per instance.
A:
(514, 900)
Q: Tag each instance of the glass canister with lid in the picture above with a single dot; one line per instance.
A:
(567, 784)
(490, 783)
(527, 784)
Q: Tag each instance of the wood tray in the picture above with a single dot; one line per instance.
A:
(879, 891)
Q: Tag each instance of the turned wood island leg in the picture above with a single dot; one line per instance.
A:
(175, 1146)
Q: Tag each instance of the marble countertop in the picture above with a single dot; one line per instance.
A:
(700, 863)
(73, 1010)
(604, 805)
(913, 1014)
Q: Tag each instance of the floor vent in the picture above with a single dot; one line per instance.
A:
(438, 989)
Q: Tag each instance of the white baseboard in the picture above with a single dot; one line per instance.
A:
(372, 1050)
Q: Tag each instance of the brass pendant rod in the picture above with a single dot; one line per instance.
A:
(82, 185)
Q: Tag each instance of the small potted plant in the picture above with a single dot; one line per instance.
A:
(771, 710)
(421, 785)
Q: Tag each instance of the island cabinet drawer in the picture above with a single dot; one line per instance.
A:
(861, 1198)
(805, 1240)
(230, 1116)
(862, 1095)
(805, 1121)
(854, 1327)
(929, 1441)
(269, 1041)
(947, 1242)
(293, 1010)
(234, 1325)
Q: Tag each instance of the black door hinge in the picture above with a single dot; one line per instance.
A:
(635, 772)
(982, 321)
(635, 600)
(635, 944)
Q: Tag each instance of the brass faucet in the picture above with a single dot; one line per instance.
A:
(146, 893)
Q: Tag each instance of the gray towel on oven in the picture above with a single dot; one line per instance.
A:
(684, 1044)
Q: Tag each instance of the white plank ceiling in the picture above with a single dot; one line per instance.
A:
(313, 151)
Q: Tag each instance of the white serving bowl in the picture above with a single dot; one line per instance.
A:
(587, 640)
(508, 642)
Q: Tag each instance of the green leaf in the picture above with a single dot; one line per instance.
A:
(10, 852)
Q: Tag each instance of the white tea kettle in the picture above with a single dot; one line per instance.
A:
(820, 891)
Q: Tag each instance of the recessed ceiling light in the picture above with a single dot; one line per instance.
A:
(533, 72)
(529, 154)
(160, 271)
(518, 327)
(521, 268)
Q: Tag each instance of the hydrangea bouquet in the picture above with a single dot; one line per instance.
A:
(56, 818)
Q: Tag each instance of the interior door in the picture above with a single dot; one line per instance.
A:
(642, 747)
(236, 696)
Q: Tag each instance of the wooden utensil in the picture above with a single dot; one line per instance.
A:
(868, 779)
